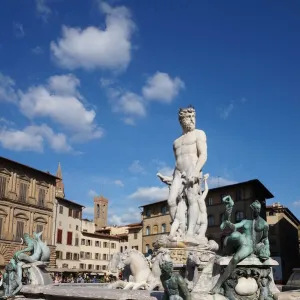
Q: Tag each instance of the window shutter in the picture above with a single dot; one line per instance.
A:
(1, 222)
(41, 197)
(20, 230)
(59, 236)
(2, 186)
(69, 238)
(23, 192)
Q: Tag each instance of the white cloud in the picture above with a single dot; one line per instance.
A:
(163, 168)
(32, 138)
(130, 104)
(215, 181)
(92, 193)
(37, 50)
(6, 122)
(296, 203)
(59, 100)
(226, 111)
(127, 216)
(43, 11)
(18, 30)
(129, 121)
(136, 168)
(93, 47)
(119, 183)
(88, 211)
(161, 87)
(150, 194)
(7, 89)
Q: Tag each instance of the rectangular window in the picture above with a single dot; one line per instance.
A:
(96, 256)
(81, 254)
(76, 241)
(77, 227)
(104, 256)
(97, 244)
(75, 256)
(61, 209)
(40, 228)
(1, 222)
(41, 197)
(83, 242)
(2, 186)
(148, 213)
(23, 192)
(105, 245)
(20, 230)
(59, 236)
(69, 255)
(58, 255)
(70, 212)
(113, 245)
(76, 214)
(81, 266)
(135, 235)
(69, 238)
(103, 267)
(210, 201)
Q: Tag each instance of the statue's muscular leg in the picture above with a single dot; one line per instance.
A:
(174, 190)
(192, 195)
(243, 252)
(202, 220)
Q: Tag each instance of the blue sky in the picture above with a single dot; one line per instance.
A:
(97, 85)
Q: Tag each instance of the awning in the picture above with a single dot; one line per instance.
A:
(67, 270)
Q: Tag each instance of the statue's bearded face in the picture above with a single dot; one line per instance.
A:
(188, 121)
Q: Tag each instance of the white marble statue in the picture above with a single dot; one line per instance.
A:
(190, 151)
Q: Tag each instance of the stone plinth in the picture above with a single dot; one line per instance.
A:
(249, 280)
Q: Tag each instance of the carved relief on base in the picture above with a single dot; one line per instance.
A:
(248, 283)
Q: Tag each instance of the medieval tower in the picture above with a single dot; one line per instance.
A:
(100, 211)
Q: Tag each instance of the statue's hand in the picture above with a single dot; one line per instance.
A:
(165, 179)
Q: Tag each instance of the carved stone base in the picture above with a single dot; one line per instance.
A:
(251, 280)
(180, 255)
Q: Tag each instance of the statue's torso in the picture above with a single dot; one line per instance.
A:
(254, 229)
(186, 151)
(171, 286)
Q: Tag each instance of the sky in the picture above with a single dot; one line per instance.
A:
(97, 86)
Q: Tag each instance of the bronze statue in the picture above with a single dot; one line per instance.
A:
(174, 285)
(253, 239)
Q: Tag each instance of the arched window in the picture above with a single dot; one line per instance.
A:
(239, 216)
(163, 227)
(147, 230)
(211, 220)
(155, 229)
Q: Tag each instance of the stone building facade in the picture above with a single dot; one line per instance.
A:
(96, 249)
(27, 197)
(67, 227)
(283, 237)
(156, 218)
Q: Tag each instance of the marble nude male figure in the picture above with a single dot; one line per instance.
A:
(190, 151)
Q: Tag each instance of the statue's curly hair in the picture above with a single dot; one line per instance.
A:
(183, 111)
